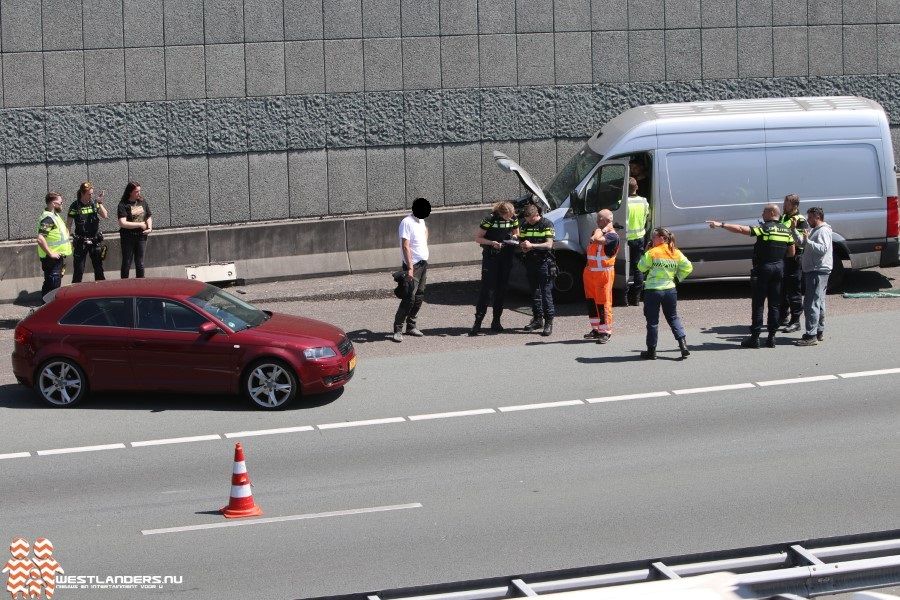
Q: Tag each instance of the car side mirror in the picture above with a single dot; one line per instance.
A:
(208, 329)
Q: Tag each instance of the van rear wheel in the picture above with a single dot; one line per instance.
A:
(568, 286)
(838, 276)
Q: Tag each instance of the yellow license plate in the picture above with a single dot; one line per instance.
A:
(352, 363)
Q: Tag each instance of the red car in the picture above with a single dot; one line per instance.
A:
(174, 335)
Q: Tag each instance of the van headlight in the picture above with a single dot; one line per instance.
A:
(320, 352)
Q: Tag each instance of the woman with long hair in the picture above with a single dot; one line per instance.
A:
(135, 224)
(664, 266)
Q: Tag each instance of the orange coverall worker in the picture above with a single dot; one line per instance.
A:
(599, 273)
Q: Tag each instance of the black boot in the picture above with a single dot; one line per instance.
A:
(770, 341)
(633, 297)
(751, 342)
(548, 327)
(495, 322)
(682, 345)
(476, 328)
(536, 323)
(649, 353)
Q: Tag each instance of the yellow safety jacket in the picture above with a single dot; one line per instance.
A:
(638, 215)
(664, 267)
(57, 238)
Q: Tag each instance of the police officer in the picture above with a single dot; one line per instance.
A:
(536, 243)
(791, 296)
(53, 242)
(497, 237)
(638, 220)
(85, 213)
(773, 243)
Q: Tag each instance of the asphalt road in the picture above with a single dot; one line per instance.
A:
(448, 458)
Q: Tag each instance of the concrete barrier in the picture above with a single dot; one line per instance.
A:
(266, 251)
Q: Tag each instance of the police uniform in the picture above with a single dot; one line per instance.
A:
(638, 217)
(772, 242)
(540, 269)
(87, 239)
(792, 295)
(496, 265)
(53, 228)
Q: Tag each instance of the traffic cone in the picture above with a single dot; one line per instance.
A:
(240, 504)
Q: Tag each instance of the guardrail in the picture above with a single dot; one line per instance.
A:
(791, 570)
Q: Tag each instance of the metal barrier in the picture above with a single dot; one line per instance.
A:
(791, 570)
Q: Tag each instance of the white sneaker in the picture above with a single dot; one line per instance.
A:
(414, 332)
(398, 336)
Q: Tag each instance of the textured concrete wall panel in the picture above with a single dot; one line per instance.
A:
(263, 20)
(23, 136)
(185, 72)
(269, 198)
(646, 14)
(304, 64)
(825, 12)
(860, 49)
(420, 55)
(423, 117)
(462, 115)
(718, 13)
(719, 48)
(535, 59)
(29, 186)
(381, 18)
(224, 21)
(66, 177)
(384, 118)
(4, 218)
(534, 16)
(104, 76)
(153, 176)
(573, 57)
(143, 23)
(462, 174)
(147, 124)
(754, 52)
(107, 135)
(826, 50)
(265, 69)
(789, 12)
(383, 64)
(790, 51)
(572, 15)
(346, 118)
(102, 23)
(459, 17)
(187, 133)
(346, 181)
(683, 55)
(23, 79)
(754, 13)
(308, 183)
(459, 61)
(226, 125)
(306, 121)
(342, 19)
(496, 184)
(647, 55)
(145, 74)
(229, 189)
(420, 17)
(266, 124)
(344, 66)
(61, 21)
(610, 56)
(183, 22)
(385, 179)
(65, 129)
(225, 71)
(682, 14)
(424, 174)
(21, 26)
(889, 48)
(538, 158)
(497, 16)
(496, 55)
(303, 20)
(189, 190)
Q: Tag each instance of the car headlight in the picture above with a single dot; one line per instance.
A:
(321, 352)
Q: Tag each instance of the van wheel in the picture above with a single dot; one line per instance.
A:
(270, 384)
(61, 383)
(568, 286)
(838, 276)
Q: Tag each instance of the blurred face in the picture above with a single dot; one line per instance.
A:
(813, 219)
(87, 195)
(506, 215)
(532, 219)
(55, 204)
(768, 214)
(135, 194)
(602, 221)
(656, 240)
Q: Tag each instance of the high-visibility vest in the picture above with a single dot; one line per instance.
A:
(597, 261)
(57, 238)
(638, 211)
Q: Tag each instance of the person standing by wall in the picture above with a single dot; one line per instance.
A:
(53, 242)
(773, 243)
(817, 262)
(85, 213)
(599, 273)
(638, 221)
(665, 266)
(493, 235)
(791, 297)
(135, 224)
(414, 253)
(536, 242)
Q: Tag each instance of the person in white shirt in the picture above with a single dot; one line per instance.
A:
(414, 255)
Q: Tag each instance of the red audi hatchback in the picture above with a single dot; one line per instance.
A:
(174, 335)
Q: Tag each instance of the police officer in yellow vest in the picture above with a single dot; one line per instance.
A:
(638, 221)
(53, 241)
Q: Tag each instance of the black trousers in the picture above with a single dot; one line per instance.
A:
(83, 249)
(413, 296)
(791, 289)
(495, 268)
(540, 282)
(765, 281)
(635, 252)
(132, 251)
(52, 268)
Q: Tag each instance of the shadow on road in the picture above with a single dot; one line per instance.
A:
(18, 396)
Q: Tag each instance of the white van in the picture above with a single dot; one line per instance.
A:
(724, 161)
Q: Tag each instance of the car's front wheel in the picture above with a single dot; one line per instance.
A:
(61, 383)
(270, 384)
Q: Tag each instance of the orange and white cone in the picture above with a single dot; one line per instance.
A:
(240, 504)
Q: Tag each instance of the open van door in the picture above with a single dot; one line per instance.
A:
(510, 166)
(606, 188)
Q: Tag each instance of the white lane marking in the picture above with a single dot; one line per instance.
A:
(715, 388)
(334, 513)
(237, 434)
(628, 397)
(362, 423)
(15, 455)
(450, 415)
(81, 449)
(796, 380)
(181, 440)
(517, 407)
(868, 373)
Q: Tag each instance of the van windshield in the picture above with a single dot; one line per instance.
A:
(570, 176)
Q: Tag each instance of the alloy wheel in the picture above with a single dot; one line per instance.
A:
(60, 383)
(270, 385)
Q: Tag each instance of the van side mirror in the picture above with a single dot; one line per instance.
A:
(208, 329)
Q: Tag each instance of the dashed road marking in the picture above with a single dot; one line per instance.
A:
(628, 397)
(322, 515)
(450, 415)
(343, 424)
(299, 429)
(540, 405)
(796, 380)
(869, 373)
(714, 388)
(179, 440)
(15, 455)
(81, 449)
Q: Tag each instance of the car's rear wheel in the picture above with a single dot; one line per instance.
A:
(270, 384)
(61, 383)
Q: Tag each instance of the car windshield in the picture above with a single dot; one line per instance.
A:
(570, 176)
(235, 313)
